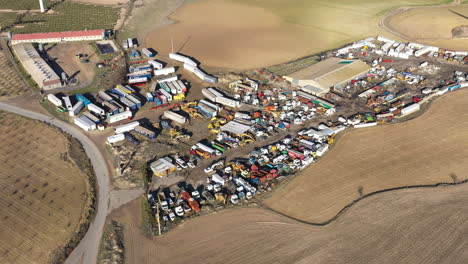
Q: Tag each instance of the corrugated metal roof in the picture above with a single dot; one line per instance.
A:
(235, 128)
(53, 35)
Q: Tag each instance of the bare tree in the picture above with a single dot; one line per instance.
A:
(360, 190)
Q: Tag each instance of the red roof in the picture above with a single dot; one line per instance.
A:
(52, 35)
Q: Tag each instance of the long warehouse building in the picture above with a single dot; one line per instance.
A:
(37, 67)
(319, 78)
(52, 37)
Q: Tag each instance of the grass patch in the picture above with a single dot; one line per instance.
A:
(64, 16)
(146, 175)
(147, 220)
(111, 248)
(52, 109)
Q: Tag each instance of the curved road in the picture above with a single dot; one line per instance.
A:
(87, 250)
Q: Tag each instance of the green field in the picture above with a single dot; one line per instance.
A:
(64, 16)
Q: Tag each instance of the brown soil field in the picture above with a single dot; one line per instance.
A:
(245, 34)
(431, 25)
(406, 226)
(103, 2)
(43, 192)
(64, 56)
(11, 83)
(427, 150)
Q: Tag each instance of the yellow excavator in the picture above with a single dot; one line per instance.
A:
(177, 135)
(331, 139)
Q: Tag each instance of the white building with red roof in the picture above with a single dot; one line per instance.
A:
(52, 37)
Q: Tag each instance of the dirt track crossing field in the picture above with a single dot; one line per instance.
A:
(43, 193)
(406, 226)
(428, 150)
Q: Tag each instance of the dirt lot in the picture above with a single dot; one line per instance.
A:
(431, 25)
(406, 226)
(427, 150)
(64, 56)
(43, 193)
(103, 2)
(246, 34)
(11, 83)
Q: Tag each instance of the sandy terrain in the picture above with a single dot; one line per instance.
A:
(427, 150)
(246, 34)
(406, 226)
(43, 193)
(64, 53)
(103, 2)
(431, 25)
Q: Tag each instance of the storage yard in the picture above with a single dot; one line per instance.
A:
(260, 236)
(288, 30)
(44, 195)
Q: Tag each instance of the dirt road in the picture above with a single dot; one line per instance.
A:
(87, 250)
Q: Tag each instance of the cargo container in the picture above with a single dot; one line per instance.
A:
(127, 127)
(139, 68)
(130, 43)
(84, 123)
(120, 106)
(166, 94)
(139, 75)
(156, 64)
(138, 81)
(149, 97)
(145, 132)
(172, 87)
(178, 87)
(117, 91)
(128, 103)
(68, 103)
(190, 68)
(111, 107)
(82, 98)
(134, 99)
(175, 117)
(208, 94)
(242, 116)
(182, 85)
(211, 105)
(104, 96)
(190, 62)
(76, 108)
(410, 109)
(177, 57)
(227, 102)
(121, 116)
(169, 79)
(218, 179)
(92, 117)
(148, 53)
(54, 100)
(96, 109)
(454, 87)
(115, 138)
(215, 92)
(131, 139)
(129, 88)
(164, 71)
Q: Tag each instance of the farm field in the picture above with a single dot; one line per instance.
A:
(379, 229)
(427, 150)
(431, 25)
(11, 83)
(64, 16)
(43, 193)
(270, 32)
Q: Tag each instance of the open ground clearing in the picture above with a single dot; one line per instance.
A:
(247, 34)
(103, 2)
(43, 193)
(63, 55)
(405, 226)
(430, 25)
(428, 150)
(11, 83)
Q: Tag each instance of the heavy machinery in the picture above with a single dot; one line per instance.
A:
(176, 134)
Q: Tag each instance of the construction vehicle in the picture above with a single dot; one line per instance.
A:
(177, 135)
(220, 198)
(331, 139)
(191, 202)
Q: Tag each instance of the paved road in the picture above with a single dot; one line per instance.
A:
(87, 250)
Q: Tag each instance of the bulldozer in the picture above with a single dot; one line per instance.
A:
(177, 135)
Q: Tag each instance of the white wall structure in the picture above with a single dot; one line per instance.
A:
(52, 37)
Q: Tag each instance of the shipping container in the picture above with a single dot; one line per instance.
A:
(130, 43)
(166, 94)
(169, 79)
(227, 102)
(104, 96)
(145, 132)
(76, 108)
(84, 123)
(215, 92)
(205, 148)
(156, 64)
(82, 98)
(172, 87)
(164, 71)
(111, 107)
(54, 100)
(177, 57)
(138, 81)
(190, 68)
(134, 99)
(147, 52)
(127, 127)
(213, 106)
(174, 117)
(139, 67)
(92, 117)
(129, 88)
(96, 109)
(178, 87)
(119, 117)
(115, 138)
(208, 94)
(410, 109)
(182, 85)
(149, 97)
(128, 103)
(68, 103)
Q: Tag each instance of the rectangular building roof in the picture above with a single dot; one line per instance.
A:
(331, 72)
(161, 165)
(235, 127)
(55, 35)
